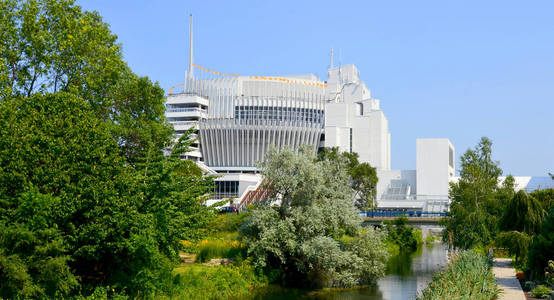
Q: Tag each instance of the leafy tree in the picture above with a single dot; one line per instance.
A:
(70, 203)
(522, 218)
(542, 247)
(477, 199)
(401, 234)
(52, 45)
(363, 177)
(301, 235)
(33, 259)
(523, 213)
(545, 198)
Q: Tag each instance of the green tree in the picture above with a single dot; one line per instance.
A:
(522, 218)
(301, 235)
(33, 259)
(477, 200)
(109, 223)
(401, 234)
(52, 45)
(363, 177)
(523, 213)
(541, 249)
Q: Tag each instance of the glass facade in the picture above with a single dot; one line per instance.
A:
(226, 189)
(246, 114)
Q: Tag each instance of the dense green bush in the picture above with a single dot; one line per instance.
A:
(541, 249)
(302, 236)
(406, 237)
(468, 276)
(541, 291)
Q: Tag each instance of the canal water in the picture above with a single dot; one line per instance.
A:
(407, 274)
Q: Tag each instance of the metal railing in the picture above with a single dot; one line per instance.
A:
(398, 213)
(185, 109)
(183, 122)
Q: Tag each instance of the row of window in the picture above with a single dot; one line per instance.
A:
(270, 113)
(226, 189)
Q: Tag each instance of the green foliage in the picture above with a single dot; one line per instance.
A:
(477, 200)
(463, 279)
(301, 235)
(542, 247)
(545, 198)
(549, 272)
(402, 235)
(523, 213)
(33, 259)
(363, 177)
(208, 249)
(54, 46)
(541, 291)
(522, 218)
(517, 244)
(106, 222)
(430, 239)
(218, 282)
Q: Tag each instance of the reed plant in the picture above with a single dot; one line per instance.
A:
(468, 276)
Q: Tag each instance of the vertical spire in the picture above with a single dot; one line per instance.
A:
(190, 48)
(331, 66)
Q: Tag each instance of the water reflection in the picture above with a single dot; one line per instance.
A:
(407, 274)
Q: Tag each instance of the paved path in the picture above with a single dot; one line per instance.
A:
(506, 277)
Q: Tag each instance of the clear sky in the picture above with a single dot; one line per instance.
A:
(455, 69)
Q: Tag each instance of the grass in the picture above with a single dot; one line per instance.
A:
(208, 249)
(197, 281)
(463, 279)
(215, 282)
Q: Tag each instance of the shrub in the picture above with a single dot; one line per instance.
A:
(541, 291)
(402, 235)
(463, 279)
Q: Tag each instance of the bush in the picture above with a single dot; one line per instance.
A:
(463, 279)
(541, 291)
(402, 235)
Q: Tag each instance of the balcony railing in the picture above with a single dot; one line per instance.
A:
(185, 109)
(183, 122)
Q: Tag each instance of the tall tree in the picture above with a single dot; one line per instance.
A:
(48, 46)
(363, 177)
(522, 218)
(476, 206)
(71, 205)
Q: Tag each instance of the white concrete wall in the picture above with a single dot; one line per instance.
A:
(370, 131)
(386, 176)
(432, 166)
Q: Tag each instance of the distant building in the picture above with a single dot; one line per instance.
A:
(238, 118)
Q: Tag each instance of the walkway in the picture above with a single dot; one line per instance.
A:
(506, 277)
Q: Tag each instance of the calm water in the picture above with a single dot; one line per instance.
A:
(407, 274)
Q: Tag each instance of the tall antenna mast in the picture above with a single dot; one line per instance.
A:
(331, 59)
(190, 47)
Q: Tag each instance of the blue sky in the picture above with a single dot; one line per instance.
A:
(455, 69)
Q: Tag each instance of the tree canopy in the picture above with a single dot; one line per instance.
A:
(477, 198)
(87, 197)
(302, 235)
(363, 177)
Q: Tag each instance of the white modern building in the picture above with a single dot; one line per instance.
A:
(238, 118)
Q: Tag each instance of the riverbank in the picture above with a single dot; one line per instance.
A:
(468, 276)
